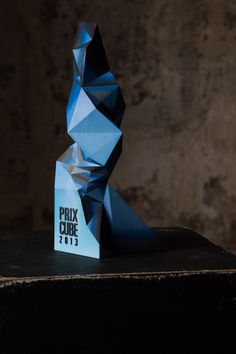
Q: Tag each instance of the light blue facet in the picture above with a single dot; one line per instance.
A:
(78, 108)
(84, 243)
(96, 135)
(63, 179)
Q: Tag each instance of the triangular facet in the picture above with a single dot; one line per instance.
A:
(129, 232)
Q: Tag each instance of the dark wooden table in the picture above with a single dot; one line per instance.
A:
(181, 300)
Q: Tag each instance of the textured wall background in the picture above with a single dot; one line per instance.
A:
(176, 63)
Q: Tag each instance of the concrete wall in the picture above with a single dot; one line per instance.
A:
(176, 63)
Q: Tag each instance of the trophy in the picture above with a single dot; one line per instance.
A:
(91, 219)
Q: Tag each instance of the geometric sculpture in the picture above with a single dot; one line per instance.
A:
(91, 219)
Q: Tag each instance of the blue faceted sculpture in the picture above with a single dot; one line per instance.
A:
(91, 219)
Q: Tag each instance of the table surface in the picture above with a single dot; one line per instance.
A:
(180, 300)
(31, 255)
